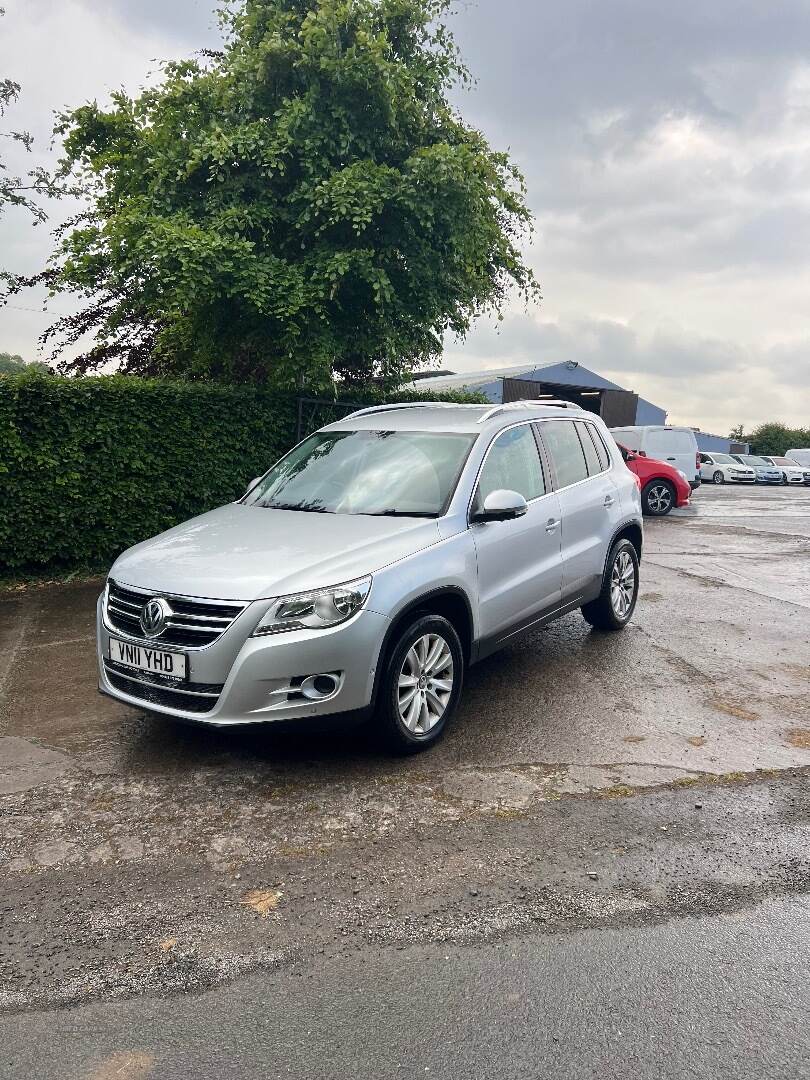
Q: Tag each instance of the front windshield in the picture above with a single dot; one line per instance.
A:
(397, 473)
(723, 459)
(751, 459)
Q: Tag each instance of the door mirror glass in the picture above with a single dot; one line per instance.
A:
(501, 505)
(252, 483)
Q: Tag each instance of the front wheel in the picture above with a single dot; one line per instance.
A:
(784, 479)
(657, 498)
(718, 478)
(421, 684)
(614, 607)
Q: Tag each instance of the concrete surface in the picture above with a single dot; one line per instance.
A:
(588, 781)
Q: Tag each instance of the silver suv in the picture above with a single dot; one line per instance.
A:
(371, 565)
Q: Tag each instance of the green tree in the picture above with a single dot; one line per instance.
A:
(776, 438)
(303, 204)
(13, 364)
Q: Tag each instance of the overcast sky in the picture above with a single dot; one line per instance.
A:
(666, 148)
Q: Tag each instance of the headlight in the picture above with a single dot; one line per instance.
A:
(315, 610)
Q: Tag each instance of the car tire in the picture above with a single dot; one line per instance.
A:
(606, 612)
(784, 479)
(718, 478)
(657, 498)
(409, 724)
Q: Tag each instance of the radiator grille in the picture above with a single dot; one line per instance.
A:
(192, 623)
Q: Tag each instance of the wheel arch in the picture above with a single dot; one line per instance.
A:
(449, 601)
(630, 530)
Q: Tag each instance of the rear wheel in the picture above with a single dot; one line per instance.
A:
(658, 498)
(421, 684)
(614, 607)
(718, 478)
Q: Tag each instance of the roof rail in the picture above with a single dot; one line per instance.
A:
(526, 403)
(404, 405)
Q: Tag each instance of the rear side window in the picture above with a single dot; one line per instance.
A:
(562, 442)
(601, 450)
(591, 460)
(513, 462)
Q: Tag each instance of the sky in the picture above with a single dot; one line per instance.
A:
(666, 151)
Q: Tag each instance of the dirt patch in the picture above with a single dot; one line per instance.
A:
(652, 597)
(799, 737)
(634, 738)
(731, 708)
(696, 740)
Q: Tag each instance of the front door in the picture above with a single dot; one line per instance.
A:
(519, 575)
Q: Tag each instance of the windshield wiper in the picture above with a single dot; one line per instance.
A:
(403, 513)
(303, 507)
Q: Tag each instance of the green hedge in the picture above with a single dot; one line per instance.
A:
(90, 466)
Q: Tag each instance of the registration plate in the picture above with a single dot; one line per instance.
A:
(153, 660)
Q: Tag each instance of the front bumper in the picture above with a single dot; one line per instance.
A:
(247, 680)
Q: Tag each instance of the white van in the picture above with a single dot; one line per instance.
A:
(676, 445)
(801, 457)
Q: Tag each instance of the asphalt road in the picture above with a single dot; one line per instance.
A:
(613, 837)
(716, 998)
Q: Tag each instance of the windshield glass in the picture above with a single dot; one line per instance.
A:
(782, 461)
(751, 459)
(724, 459)
(402, 473)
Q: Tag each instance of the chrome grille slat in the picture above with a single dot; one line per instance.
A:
(193, 624)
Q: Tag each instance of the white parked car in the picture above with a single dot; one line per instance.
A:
(676, 445)
(724, 469)
(792, 472)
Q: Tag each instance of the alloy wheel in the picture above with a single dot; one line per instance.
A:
(622, 585)
(425, 683)
(659, 499)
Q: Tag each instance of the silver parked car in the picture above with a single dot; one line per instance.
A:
(372, 564)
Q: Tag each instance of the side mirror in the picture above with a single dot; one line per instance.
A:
(501, 505)
(252, 484)
(642, 453)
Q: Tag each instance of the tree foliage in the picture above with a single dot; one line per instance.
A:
(303, 204)
(775, 438)
(13, 364)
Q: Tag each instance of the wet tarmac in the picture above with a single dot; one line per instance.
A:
(142, 855)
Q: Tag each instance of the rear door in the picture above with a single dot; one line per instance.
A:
(589, 502)
(519, 568)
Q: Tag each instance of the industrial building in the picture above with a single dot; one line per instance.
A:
(569, 381)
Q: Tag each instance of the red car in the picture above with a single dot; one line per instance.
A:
(662, 486)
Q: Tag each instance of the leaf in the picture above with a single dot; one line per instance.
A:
(263, 901)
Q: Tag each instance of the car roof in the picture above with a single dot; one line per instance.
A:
(447, 416)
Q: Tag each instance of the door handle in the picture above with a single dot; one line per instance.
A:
(551, 525)
(609, 500)
(670, 459)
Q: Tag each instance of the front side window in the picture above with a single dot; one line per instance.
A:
(513, 464)
(392, 473)
(562, 442)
